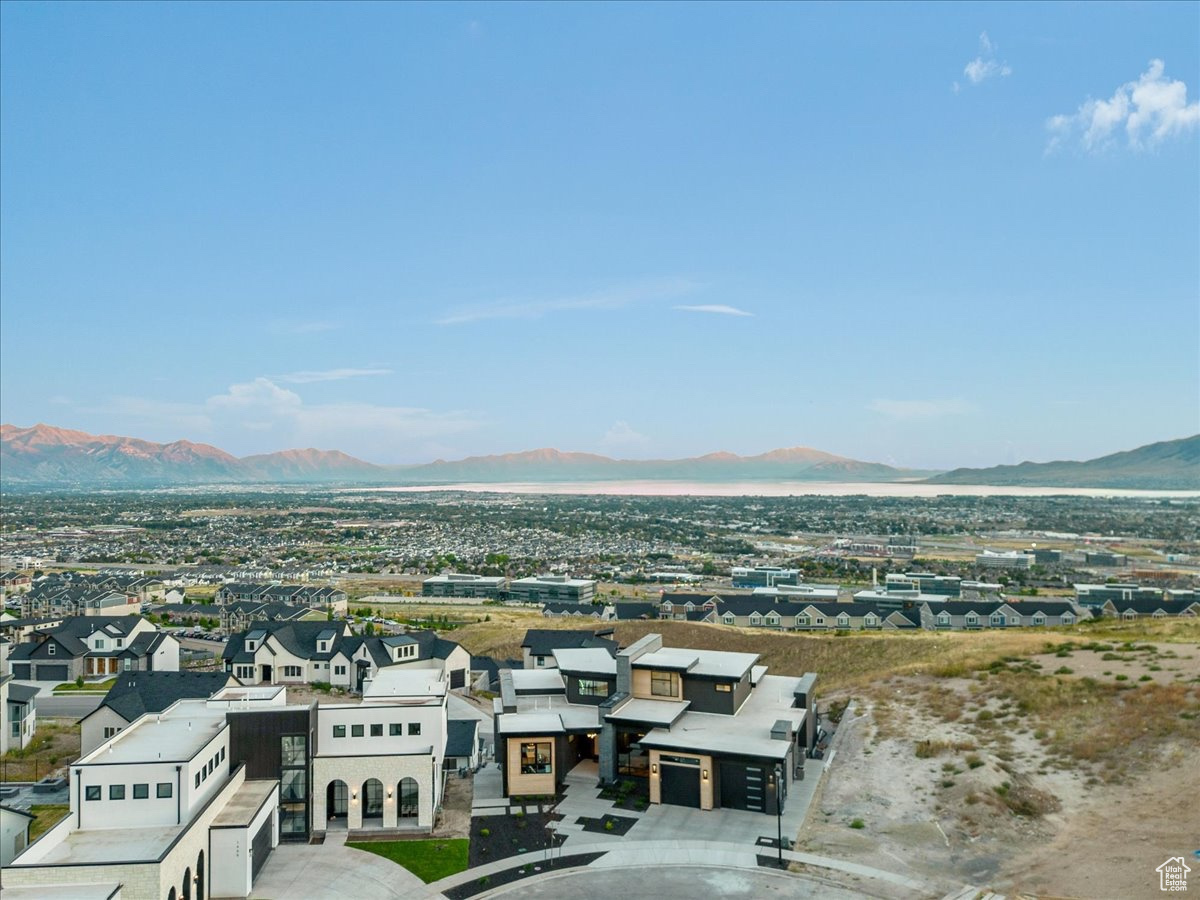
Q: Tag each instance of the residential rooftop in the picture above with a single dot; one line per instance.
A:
(716, 663)
(589, 660)
(174, 735)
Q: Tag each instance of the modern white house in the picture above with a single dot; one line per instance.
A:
(14, 833)
(378, 764)
(158, 811)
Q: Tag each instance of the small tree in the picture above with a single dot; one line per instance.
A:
(78, 681)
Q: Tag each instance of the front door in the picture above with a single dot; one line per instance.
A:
(266, 674)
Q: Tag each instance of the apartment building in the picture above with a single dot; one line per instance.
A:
(969, 615)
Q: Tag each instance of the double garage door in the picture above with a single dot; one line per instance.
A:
(39, 672)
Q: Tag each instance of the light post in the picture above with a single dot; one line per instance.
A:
(779, 812)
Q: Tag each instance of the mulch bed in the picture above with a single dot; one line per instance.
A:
(516, 873)
(635, 796)
(620, 824)
(510, 835)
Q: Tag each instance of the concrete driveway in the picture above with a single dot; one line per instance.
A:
(332, 870)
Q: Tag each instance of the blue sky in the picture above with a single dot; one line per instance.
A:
(931, 235)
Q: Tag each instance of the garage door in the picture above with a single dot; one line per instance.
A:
(51, 673)
(458, 678)
(21, 671)
(261, 848)
(680, 785)
(742, 786)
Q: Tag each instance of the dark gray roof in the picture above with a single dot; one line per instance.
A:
(136, 693)
(625, 611)
(460, 737)
(1149, 607)
(21, 693)
(544, 641)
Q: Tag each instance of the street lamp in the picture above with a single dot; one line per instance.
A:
(779, 811)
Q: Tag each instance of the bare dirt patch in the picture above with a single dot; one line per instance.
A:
(964, 780)
(1160, 663)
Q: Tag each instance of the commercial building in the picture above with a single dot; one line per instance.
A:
(763, 576)
(1105, 559)
(1008, 559)
(1097, 595)
(464, 586)
(552, 589)
(925, 583)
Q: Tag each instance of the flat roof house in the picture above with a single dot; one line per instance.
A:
(706, 728)
(158, 811)
(136, 693)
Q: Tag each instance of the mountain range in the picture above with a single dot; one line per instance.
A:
(57, 457)
(1166, 465)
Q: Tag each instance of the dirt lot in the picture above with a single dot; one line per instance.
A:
(1160, 663)
(1018, 781)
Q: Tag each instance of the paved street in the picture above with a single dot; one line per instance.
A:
(671, 882)
(67, 707)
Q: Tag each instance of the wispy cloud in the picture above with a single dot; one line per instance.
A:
(985, 65)
(623, 435)
(613, 298)
(912, 410)
(311, 377)
(279, 417)
(719, 309)
(1150, 110)
(301, 327)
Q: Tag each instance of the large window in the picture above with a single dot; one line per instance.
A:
(293, 785)
(535, 758)
(664, 684)
(409, 795)
(593, 687)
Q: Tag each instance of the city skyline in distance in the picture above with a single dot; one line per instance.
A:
(928, 237)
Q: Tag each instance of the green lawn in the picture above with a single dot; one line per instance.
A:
(428, 860)
(46, 816)
(87, 685)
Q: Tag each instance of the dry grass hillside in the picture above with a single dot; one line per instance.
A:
(842, 661)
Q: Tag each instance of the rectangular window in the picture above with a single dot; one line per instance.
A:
(414, 728)
(593, 687)
(116, 792)
(356, 731)
(339, 730)
(339, 670)
(292, 749)
(725, 688)
(92, 792)
(395, 729)
(663, 684)
(535, 758)
(50, 650)
(197, 779)
(109, 731)
(163, 790)
(141, 792)
(377, 730)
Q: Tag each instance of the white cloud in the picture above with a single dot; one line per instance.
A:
(719, 309)
(985, 65)
(622, 435)
(614, 298)
(1150, 110)
(311, 377)
(913, 410)
(279, 418)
